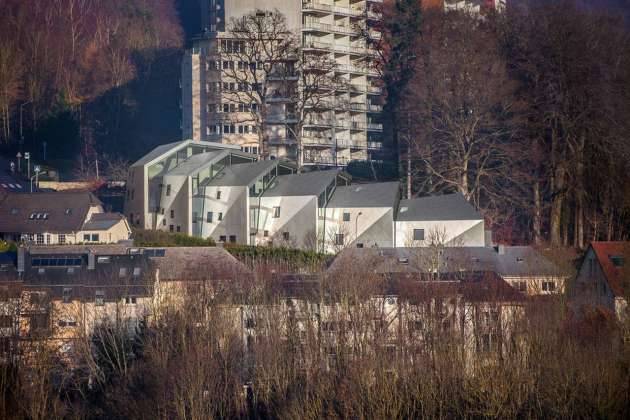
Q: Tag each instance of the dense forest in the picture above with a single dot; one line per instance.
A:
(524, 112)
(91, 78)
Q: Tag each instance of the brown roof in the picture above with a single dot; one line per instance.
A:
(199, 263)
(45, 211)
(604, 251)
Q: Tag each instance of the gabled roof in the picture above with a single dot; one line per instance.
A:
(242, 174)
(438, 207)
(307, 183)
(165, 149)
(381, 194)
(45, 211)
(509, 261)
(196, 162)
(605, 251)
(199, 263)
(103, 221)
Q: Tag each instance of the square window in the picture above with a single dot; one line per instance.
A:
(339, 239)
(179, 228)
(549, 286)
(131, 300)
(222, 238)
(276, 212)
(122, 272)
(40, 239)
(99, 298)
(171, 228)
(359, 245)
(86, 238)
(136, 271)
(95, 237)
(346, 217)
(61, 239)
(233, 238)
(418, 234)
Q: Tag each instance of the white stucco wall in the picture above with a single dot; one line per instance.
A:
(451, 232)
(234, 206)
(374, 227)
(298, 216)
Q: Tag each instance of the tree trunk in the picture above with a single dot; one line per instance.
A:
(537, 214)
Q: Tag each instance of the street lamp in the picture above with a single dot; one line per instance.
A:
(21, 130)
(37, 170)
(19, 159)
(356, 226)
(27, 156)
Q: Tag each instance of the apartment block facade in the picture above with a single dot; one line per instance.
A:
(342, 126)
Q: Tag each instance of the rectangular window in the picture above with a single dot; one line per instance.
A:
(266, 233)
(122, 272)
(218, 195)
(67, 294)
(233, 238)
(48, 239)
(99, 298)
(521, 286)
(168, 190)
(226, 108)
(276, 212)
(418, 234)
(40, 239)
(171, 228)
(220, 216)
(222, 238)
(346, 217)
(195, 216)
(163, 222)
(61, 239)
(131, 300)
(209, 217)
(95, 237)
(549, 286)
(136, 271)
(172, 214)
(86, 237)
(179, 228)
(339, 239)
(285, 236)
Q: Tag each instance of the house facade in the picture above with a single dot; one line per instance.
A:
(50, 218)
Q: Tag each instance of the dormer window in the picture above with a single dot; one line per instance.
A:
(617, 260)
(32, 216)
(68, 212)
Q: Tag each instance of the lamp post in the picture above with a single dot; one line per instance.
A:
(356, 226)
(27, 156)
(19, 159)
(36, 176)
(21, 130)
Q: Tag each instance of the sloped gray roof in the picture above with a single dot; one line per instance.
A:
(196, 162)
(157, 152)
(381, 194)
(199, 263)
(59, 212)
(437, 207)
(241, 174)
(102, 221)
(508, 261)
(308, 183)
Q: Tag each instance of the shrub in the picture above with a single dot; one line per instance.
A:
(159, 238)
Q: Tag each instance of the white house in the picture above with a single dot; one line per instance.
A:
(362, 215)
(291, 211)
(445, 219)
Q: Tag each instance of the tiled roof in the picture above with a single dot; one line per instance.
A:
(45, 211)
(199, 263)
(103, 221)
(604, 252)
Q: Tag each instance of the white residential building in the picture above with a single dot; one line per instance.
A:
(445, 219)
(344, 127)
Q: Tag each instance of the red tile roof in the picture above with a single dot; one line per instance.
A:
(605, 250)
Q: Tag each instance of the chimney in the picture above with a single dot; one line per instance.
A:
(21, 256)
(91, 260)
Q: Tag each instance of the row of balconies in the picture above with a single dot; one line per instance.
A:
(344, 105)
(340, 48)
(342, 123)
(348, 11)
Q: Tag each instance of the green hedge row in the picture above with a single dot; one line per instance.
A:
(166, 239)
(289, 255)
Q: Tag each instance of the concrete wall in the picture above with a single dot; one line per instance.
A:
(374, 227)
(136, 208)
(179, 201)
(235, 208)
(450, 232)
(291, 9)
(298, 216)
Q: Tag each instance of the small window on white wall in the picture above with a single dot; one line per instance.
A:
(276, 212)
(346, 217)
(418, 234)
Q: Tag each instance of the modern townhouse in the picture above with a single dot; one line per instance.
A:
(48, 218)
(344, 126)
(152, 203)
(442, 219)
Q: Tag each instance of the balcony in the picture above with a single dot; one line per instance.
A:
(328, 8)
(374, 108)
(374, 90)
(374, 127)
(282, 119)
(317, 141)
(318, 45)
(375, 145)
(318, 122)
(314, 25)
(326, 160)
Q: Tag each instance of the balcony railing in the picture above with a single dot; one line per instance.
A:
(312, 24)
(374, 127)
(321, 7)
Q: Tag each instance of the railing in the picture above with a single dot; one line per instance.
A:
(374, 127)
(374, 145)
(375, 90)
(326, 27)
(317, 6)
(326, 160)
(375, 108)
